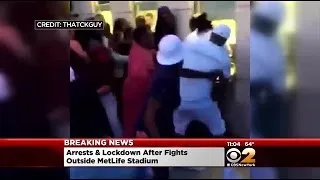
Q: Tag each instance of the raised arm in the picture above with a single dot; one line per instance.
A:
(120, 58)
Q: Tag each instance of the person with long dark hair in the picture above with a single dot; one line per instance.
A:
(119, 28)
(166, 24)
(88, 116)
(101, 67)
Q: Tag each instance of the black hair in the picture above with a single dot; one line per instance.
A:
(118, 24)
(139, 33)
(202, 23)
(192, 24)
(127, 34)
(166, 24)
(197, 129)
(140, 21)
(84, 37)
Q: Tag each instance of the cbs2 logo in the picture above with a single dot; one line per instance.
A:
(234, 155)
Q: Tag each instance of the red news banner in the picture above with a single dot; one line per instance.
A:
(238, 152)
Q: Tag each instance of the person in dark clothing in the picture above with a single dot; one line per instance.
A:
(101, 68)
(102, 65)
(35, 65)
(164, 94)
(165, 88)
(122, 36)
(88, 118)
(125, 45)
(140, 21)
(85, 36)
(101, 61)
(24, 111)
(121, 44)
(166, 24)
(106, 32)
(120, 26)
(197, 129)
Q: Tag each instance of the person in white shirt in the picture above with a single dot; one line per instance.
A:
(267, 61)
(267, 75)
(205, 56)
(201, 27)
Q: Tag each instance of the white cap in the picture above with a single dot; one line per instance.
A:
(273, 10)
(222, 30)
(170, 50)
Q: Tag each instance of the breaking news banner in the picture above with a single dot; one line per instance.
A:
(68, 25)
(159, 152)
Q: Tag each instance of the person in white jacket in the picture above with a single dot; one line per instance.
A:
(267, 75)
(196, 103)
(267, 61)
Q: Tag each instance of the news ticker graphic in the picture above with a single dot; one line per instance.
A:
(144, 157)
(159, 152)
(68, 25)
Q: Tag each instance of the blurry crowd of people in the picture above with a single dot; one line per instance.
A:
(134, 82)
